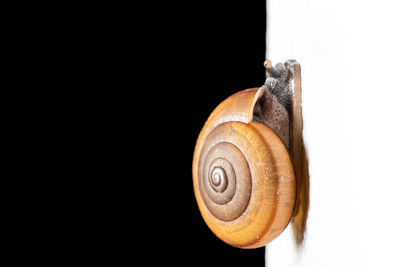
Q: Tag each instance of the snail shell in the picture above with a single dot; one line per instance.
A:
(243, 177)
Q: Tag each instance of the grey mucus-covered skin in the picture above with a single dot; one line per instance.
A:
(274, 107)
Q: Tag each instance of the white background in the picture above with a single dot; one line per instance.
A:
(349, 53)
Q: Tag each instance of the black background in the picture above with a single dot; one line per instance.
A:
(207, 52)
(134, 86)
(171, 67)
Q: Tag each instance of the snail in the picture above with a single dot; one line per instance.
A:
(244, 177)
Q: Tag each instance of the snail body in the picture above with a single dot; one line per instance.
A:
(243, 176)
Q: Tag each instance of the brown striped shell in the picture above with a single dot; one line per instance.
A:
(243, 177)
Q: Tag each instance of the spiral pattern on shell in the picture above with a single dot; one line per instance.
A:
(243, 177)
(225, 180)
